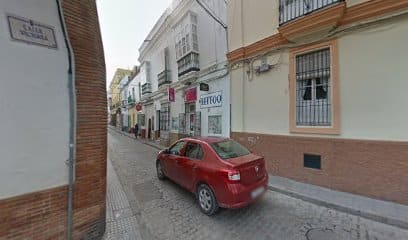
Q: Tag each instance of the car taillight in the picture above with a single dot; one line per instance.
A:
(234, 176)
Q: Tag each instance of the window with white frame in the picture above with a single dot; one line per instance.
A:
(186, 39)
(186, 44)
(313, 88)
(195, 38)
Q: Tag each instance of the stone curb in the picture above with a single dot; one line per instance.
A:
(380, 211)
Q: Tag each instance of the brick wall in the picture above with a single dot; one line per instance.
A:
(90, 187)
(43, 215)
(376, 169)
(40, 215)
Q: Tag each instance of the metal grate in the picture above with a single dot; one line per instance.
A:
(182, 123)
(197, 124)
(292, 9)
(312, 161)
(313, 93)
(165, 117)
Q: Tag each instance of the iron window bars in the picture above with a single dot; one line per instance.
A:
(313, 93)
(165, 117)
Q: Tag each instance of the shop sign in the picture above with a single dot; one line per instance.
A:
(172, 95)
(204, 87)
(31, 32)
(190, 95)
(211, 100)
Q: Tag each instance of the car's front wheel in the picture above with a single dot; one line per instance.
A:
(159, 170)
(206, 200)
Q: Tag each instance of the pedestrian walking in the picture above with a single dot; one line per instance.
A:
(136, 130)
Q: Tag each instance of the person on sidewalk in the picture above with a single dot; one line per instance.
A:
(136, 130)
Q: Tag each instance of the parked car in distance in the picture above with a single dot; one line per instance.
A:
(220, 171)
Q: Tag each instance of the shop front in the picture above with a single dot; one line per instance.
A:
(213, 104)
(190, 120)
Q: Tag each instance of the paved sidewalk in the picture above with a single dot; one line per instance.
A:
(121, 223)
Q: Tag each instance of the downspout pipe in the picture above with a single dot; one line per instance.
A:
(225, 26)
(72, 122)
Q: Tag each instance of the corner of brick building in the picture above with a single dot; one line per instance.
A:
(81, 18)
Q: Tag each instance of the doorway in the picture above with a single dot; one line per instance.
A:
(149, 129)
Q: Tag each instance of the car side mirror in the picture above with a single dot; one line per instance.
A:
(166, 151)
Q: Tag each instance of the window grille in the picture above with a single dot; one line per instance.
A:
(165, 117)
(182, 123)
(197, 124)
(313, 93)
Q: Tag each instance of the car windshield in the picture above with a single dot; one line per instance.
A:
(229, 149)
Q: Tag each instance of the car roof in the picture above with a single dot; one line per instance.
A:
(207, 139)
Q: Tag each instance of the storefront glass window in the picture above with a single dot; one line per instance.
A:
(215, 124)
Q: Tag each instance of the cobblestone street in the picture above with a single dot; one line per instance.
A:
(138, 203)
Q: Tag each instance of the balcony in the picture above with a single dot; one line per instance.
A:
(292, 9)
(188, 63)
(131, 100)
(164, 77)
(146, 88)
(300, 18)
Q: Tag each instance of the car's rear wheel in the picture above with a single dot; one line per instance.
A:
(159, 170)
(206, 200)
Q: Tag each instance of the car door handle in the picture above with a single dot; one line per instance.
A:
(195, 167)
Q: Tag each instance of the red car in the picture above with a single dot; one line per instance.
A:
(220, 171)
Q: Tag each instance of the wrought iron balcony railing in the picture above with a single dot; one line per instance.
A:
(146, 88)
(131, 100)
(164, 77)
(291, 9)
(188, 63)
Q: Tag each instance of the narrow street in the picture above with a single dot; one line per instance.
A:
(162, 210)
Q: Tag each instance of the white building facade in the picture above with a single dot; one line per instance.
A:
(184, 73)
(124, 114)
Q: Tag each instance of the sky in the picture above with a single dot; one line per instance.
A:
(124, 26)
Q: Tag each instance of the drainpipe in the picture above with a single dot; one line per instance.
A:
(227, 45)
(72, 120)
(243, 67)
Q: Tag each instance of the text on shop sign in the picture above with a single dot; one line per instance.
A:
(211, 100)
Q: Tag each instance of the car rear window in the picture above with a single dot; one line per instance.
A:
(229, 149)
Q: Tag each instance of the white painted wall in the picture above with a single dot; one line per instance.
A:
(134, 84)
(212, 46)
(149, 113)
(261, 104)
(374, 83)
(211, 40)
(176, 108)
(259, 20)
(215, 86)
(373, 89)
(34, 104)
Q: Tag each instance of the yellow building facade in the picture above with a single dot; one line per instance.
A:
(114, 86)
